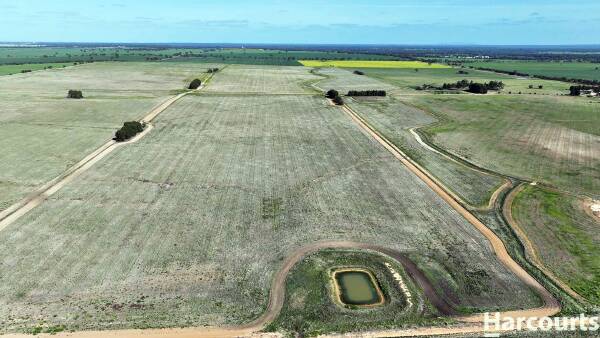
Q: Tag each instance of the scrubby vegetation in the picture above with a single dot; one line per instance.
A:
(75, 94)
(195, 84)
(367, 93)
(129, 130)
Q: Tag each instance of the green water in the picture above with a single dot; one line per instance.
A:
(356, 288)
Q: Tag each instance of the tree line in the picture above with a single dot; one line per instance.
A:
(543, 77)
(466, 85)
(367, 93)
(577, 90)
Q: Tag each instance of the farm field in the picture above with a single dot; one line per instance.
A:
(17, 69)
(393, 119)
(256, 79)
(187, 226)
(553, 140)
(44, 133)
(409, 79)
(554, 69)
(372, 64)
(562, 232)
(344, 81)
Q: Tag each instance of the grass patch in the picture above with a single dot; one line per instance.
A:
(562, 233)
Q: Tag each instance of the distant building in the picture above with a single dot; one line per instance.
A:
(588, 92)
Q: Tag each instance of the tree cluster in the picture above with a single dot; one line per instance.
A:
(576, 90)
(212, 70)
(75, 94)
(129, 130)
(195, 84)
(367, 93)
(334, 95)
(470, 86)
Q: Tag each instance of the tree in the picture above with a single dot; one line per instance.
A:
(575, 91)
(332, 93)
(338, 100)
(75, 94)
(358, 72)
(129, 130)
(478, 88)
(195, 84)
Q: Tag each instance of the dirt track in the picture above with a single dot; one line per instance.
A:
(532, 254)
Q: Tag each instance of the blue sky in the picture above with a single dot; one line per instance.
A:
(312, 21)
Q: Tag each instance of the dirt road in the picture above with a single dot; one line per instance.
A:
(530, 250)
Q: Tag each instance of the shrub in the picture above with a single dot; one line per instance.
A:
(358, 72)
(332, 94)
(26, 71)
(75, 94)
(129, 130)
(195, 84)
(338, 100)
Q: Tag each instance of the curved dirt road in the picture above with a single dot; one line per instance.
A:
(530, 250)
(493, 198)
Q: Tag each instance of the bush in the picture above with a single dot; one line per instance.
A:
(212, 70)
(338, 100)
(332, 94)
(75, 94)
(129, 130)
(358, 72)
(195, 84)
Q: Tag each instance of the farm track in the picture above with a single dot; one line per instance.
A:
(530, 250)
(492, 201)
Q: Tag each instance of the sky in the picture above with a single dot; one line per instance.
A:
(484, 22)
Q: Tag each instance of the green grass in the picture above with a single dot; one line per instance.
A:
(43, 133)
(311, 308)
(555, 69)
(169, 231)
(549, 139)
(565, 237)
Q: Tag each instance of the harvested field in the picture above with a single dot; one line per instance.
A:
(262, 79)
(44, 133)
(187, 226)
(408, 80)
(343, 81)
(564, 237)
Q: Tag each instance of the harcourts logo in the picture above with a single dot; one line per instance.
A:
(494, 323)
